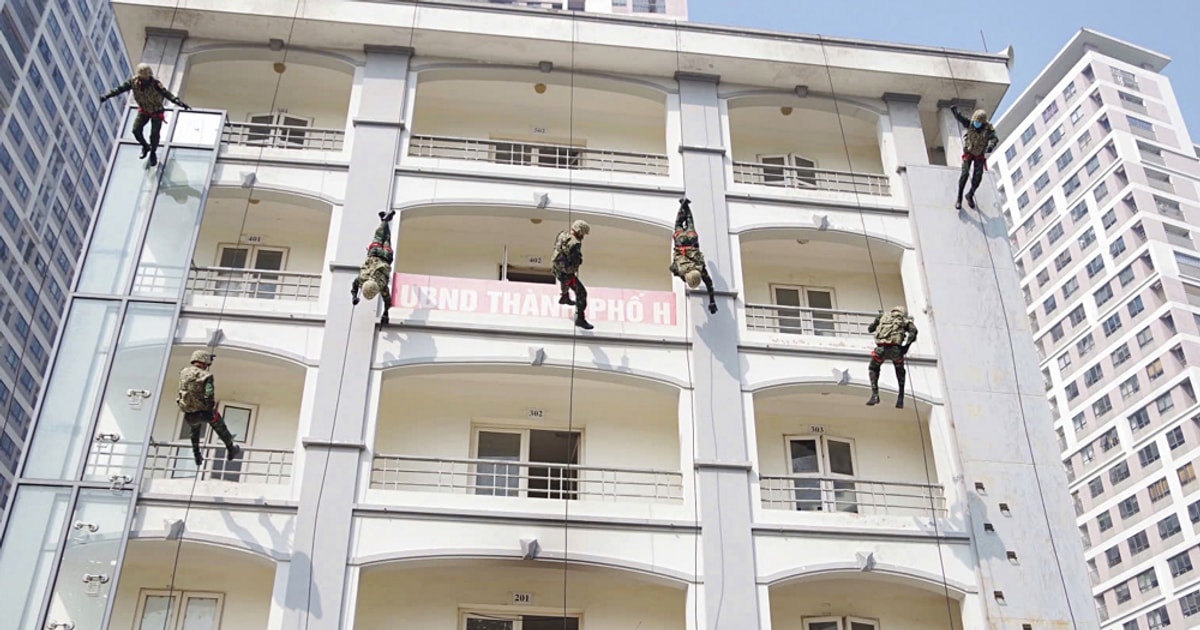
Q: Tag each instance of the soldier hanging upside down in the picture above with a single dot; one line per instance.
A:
(979, 140)
(568, 256)
(148, 93)
(376, 272)
(197, 401)
(894, 333)
(688, 261)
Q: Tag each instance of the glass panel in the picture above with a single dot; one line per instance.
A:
(238, 421)
(27, 555)
(822, 321)
(165, 258)
(127, 199)
(805, 461)
(789, 320)
(70, 399)
(137, 367)
(498, 479)
(863, 625)
(85, 577)
(549, 623)
(823, 625)
(270, 260)
(156, 614)
(841, 462)
(198, 128)
(489, 624)
(127, 128)
(200, 613)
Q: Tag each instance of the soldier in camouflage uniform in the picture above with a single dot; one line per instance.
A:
(687, 260)
(197, 401)
(148, 93)
(375, 275)
(894, 333)
(979, 140)
(568, 256)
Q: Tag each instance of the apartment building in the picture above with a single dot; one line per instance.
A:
(56, 58)
(1098, 179)
(479, 463)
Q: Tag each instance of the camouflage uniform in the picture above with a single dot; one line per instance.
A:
(149, 94)
(894, 333)
(977, 143)
(686, 255)
(377, 268)
(197, 401)
(568, 256)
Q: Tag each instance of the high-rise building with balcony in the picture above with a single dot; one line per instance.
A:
(479, 463)
(1098, 179)
(56, 58)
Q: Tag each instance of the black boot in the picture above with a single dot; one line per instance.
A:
(900, 400)
(145, 152)
(971, 199)
(387, 216)
(958, 204)
(198, 457)
(564, 299)
(901, 373)
(153, 157)
(874, 399)
(583, 323)
(232, 452)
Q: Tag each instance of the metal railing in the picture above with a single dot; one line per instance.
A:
(857, 496)
(799, 320)
(536, 154)
(806, 178)
(254, 283)
(283, 136)
(534, 480)
(173, 460)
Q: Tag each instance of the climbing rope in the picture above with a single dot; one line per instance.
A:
(933, 514)
(691, 389)
(574, 330)
(1013, 360)
(225, 296)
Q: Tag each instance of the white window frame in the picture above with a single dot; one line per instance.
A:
(514, 614)
(522, 429)
(239, 283)
(806, 323)
(830, 500)
(788, 178)
(578, 145)
(843, 623)
(275, 136)
(177, 606)
(212, 469)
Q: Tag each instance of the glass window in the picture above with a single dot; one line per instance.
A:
(126, 202)
(1120, 355)
(1096, 487)
(1049, 305)
(1144, 337)
(1041, 182)
(1087, 238)
(1128, 507)
(1135, 306)
(1028, 135)
(1100, 192)
(1112, 324)
(106, 510)
(1071, 185)
(1169, 526)
(1119, 473)
(1050, 111)
(1056, 136)
(1062, 260)
(1155, 369)
(1130, 387)
(35, 527)
(1035, 252)
(1104, 519)
(1035, 158)
(1148, 454)
(1070, 287)
(1104, 294)
(1056, 232)
(165, 258)
(1159, 490)
(1116, 247)
(1085, 345)
(1122, 593)
(1113, 556)
(1138, 543)
(1064, 160)
(1175, 438)
(1180, 564)
(1010, 153)
(1095, 266)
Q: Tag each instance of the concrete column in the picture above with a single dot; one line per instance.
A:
(162, 52)
(278, 596)
(950, 130)
(317, 582)
(722, 455)
(908, 137)
(999, 416)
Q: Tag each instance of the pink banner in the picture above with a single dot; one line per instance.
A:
(521, 299)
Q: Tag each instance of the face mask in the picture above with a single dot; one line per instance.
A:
(976, 124)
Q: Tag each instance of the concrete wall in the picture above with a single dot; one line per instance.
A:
(891, 606)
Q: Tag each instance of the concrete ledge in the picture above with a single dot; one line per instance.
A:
(283, 506)
(388, 124)
(895, 97)
(382, 49)
(524, 518)
(860, 533)
(712, 464)
(317, 442)
(683, 75)
(154, 31)
(684, 148)
(668, 188)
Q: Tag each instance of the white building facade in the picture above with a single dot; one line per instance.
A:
(1099, 181)
(478, 463)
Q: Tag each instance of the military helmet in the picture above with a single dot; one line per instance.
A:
(979, 116)
(900, 309)
(144, 70)
(202, 356)
(581, 228)
(692, 278)
(370, 289)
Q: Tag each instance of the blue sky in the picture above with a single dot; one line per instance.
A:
(1037, 29)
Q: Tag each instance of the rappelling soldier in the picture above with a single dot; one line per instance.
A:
(375, 275)
(894, 333)
(197, 401)
(568, 256)
(148, 93)
(687, 261)
(979, 140)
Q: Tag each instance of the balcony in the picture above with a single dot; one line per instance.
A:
(817, 288)
(259, 398)
(838, 459)
(215, 587)
(259, 254)
(539, 124)
(479, 595)
(490, 268)
(273, 108)
(848, 601)
(527, 439)
(796, 145)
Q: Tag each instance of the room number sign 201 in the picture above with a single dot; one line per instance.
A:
(522, 599)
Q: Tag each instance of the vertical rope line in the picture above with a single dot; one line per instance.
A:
(574, 331)
(1021, 407)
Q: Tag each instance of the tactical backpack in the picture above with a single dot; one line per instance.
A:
(892, 329)
(191, 397)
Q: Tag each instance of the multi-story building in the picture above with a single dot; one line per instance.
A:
(56, 58)
(1099, 181)
(479, 463)
(675, 9)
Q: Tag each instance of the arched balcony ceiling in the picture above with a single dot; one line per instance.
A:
(320, 95)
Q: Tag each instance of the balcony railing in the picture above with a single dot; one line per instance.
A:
(535, 154)
(283, 136)
(254, 284)
(173, 460)
(525, 479)
(798, 320)
(806, 178)
(857, 496)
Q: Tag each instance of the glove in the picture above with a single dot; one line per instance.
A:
(954, 108)
(102, 99)
(185, 106)
(685, 202)
(354, 300)
(712, 307)
(384, 320)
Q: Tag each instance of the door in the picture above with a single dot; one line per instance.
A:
(473, 621)
(806, 176)
(805, 310)
(774, 169)
(789, 315)
(545, 455)
(239, 417)
(553, 447)
(252, 284)
(499, 479)
(162, 610)
(824, 623)
(829, 461)
(278, 130)
(821, 303)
